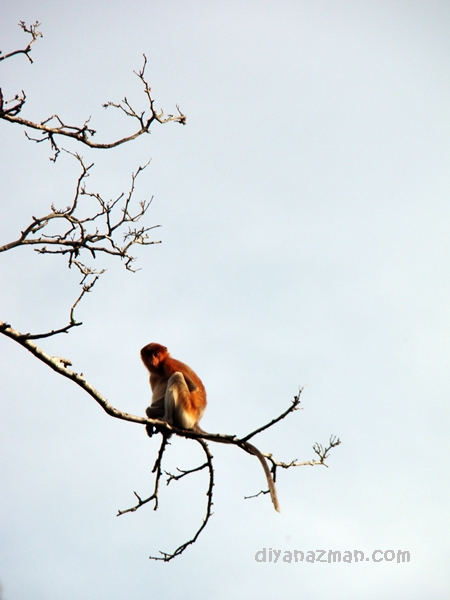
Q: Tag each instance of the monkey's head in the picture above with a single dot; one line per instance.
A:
(152, 355)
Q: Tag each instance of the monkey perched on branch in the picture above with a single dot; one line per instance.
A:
(179, 396)
(179, 399)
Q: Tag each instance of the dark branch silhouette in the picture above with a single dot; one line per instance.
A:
(54, 126)
(110, 229)
(35, 34)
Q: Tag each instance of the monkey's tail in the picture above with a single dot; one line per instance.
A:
(262, 460)
(270, 481)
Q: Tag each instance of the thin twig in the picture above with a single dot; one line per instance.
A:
(35, 34)
(182, 473)
(294, 406)
(156, 469)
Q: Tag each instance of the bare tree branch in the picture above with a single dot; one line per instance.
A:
(95, 233)
(55, 126)
(322, 452)
(182, 473)
(156, 469)
(35, 34)
(60, 365)
(166, 556)
(294, 406)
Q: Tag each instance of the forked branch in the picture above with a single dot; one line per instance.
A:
(110, 227)
(35, 34)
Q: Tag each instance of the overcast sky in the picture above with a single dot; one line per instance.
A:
(305, 242)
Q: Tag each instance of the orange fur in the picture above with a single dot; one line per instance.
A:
(178, 395)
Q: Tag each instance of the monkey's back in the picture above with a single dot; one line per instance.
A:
(173, 365)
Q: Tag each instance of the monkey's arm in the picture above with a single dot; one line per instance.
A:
(155, 411)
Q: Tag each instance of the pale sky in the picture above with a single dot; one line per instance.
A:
(305, 225)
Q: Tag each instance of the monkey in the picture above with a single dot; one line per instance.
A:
(178, 394)
(179, 399)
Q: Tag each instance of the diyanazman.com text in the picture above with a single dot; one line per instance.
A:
(331, 556)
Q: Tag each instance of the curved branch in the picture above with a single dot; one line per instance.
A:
(58, 365)
(54, 126)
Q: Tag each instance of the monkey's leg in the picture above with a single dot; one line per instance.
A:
(178, 403)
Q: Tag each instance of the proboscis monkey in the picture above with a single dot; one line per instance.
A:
(179, 398)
